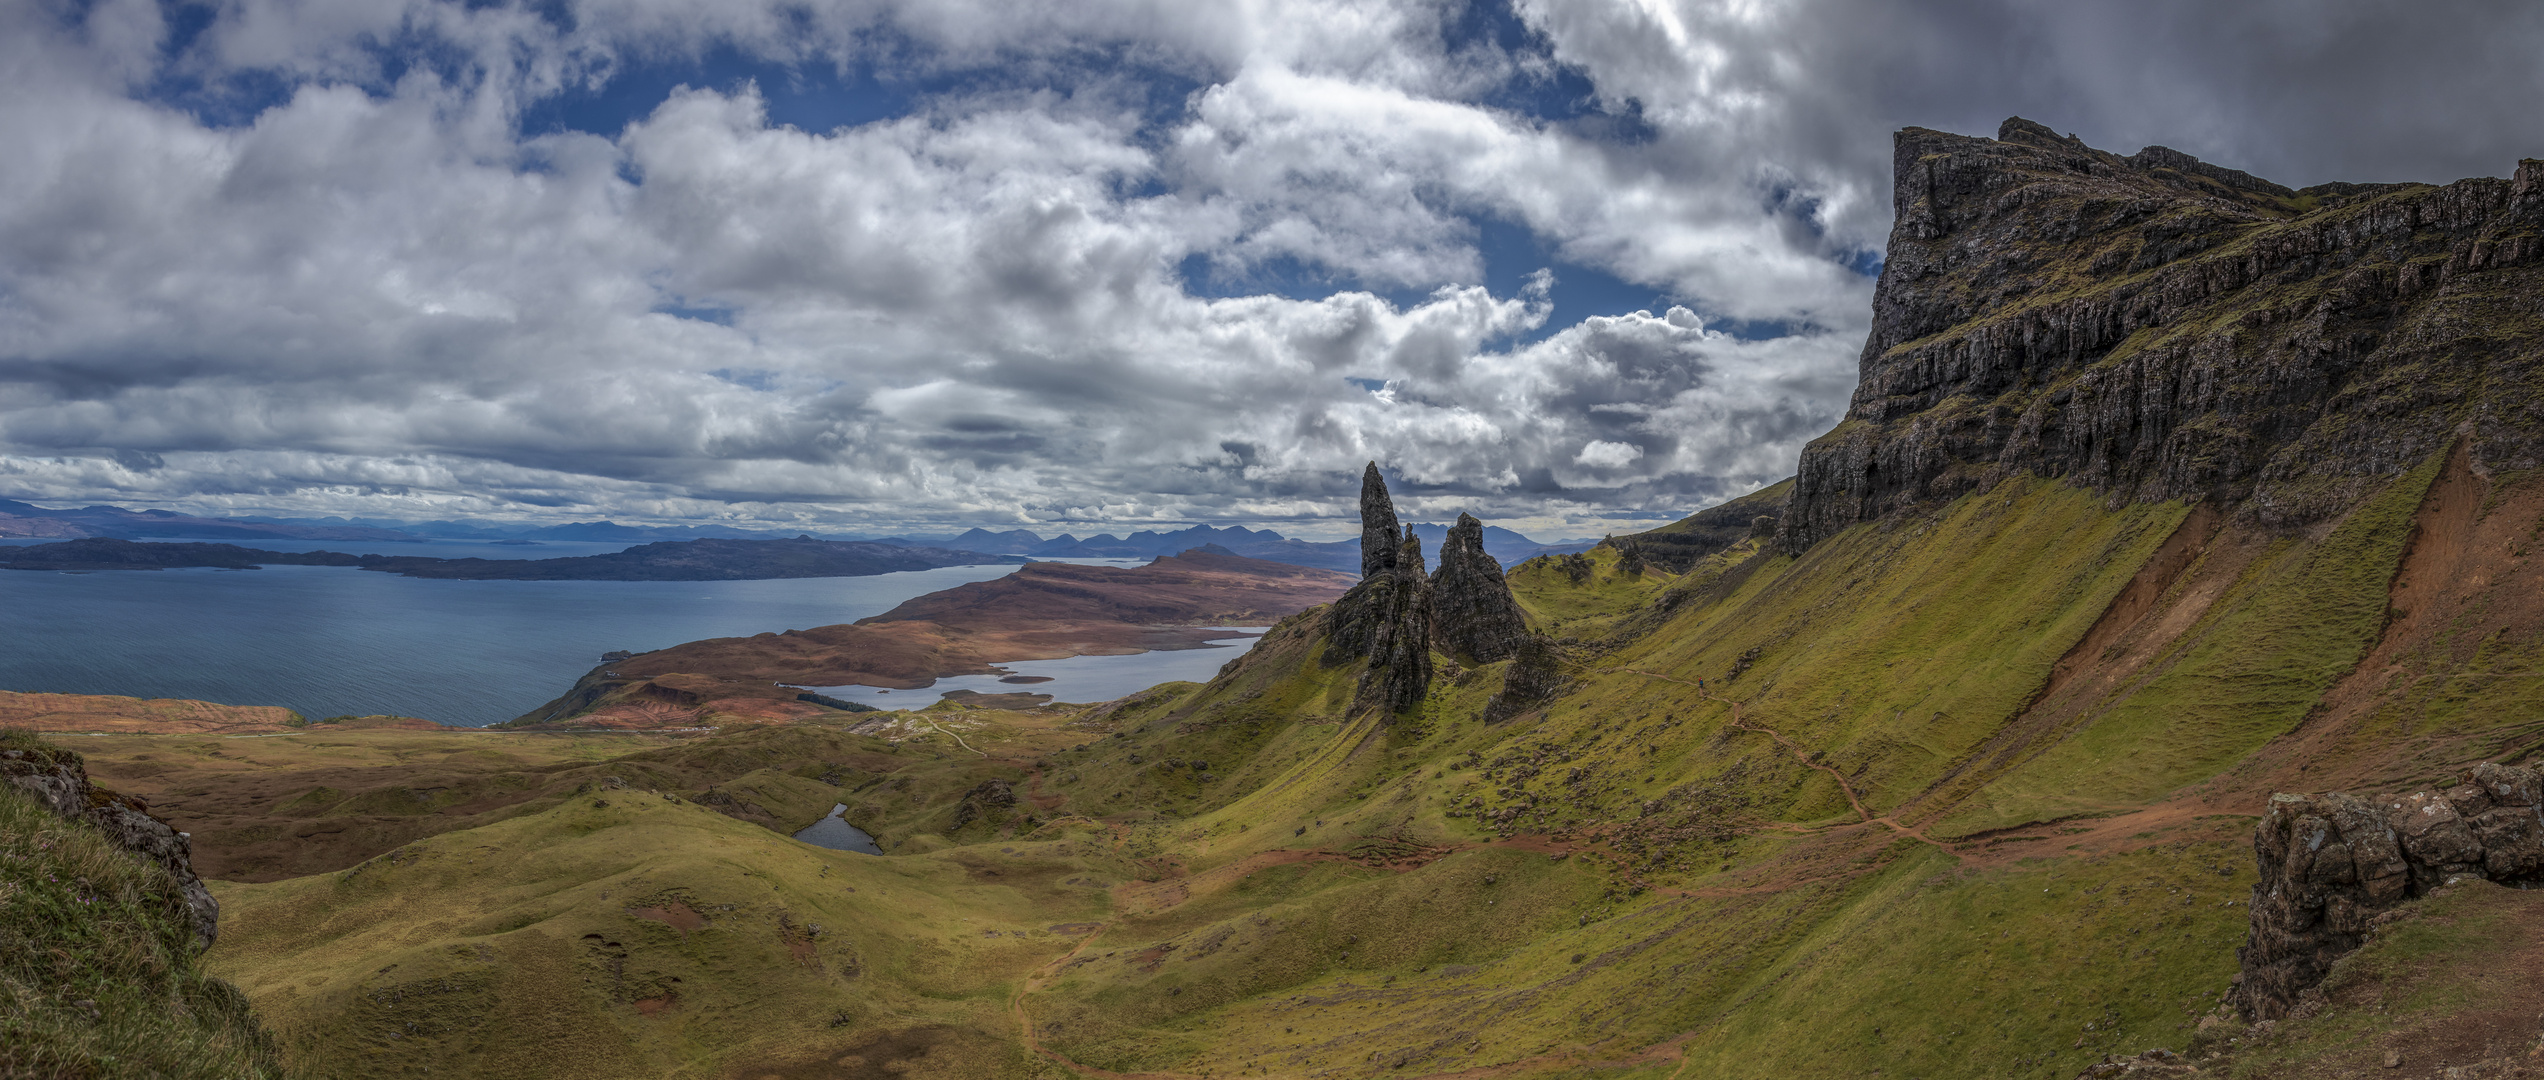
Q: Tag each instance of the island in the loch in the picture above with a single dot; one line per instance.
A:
(1045, 611)
(669, 560)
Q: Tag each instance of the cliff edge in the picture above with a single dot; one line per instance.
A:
(2155, 327)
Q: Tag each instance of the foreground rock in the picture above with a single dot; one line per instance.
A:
(58, 779)
(2331, 863)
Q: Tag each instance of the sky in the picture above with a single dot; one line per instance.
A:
(1576, 266)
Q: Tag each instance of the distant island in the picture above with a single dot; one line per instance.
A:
(670, 560)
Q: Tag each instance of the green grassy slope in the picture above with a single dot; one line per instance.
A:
(629, 933)
(99, 972)
(1641, 880)
(2301, 619)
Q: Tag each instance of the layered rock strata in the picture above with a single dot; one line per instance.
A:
(1474, 616)
(2155, 327)
(2330, 863)
(58, 779)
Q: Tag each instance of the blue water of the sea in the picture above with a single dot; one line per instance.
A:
(1074, 679)
(328, 641)
(835, 833)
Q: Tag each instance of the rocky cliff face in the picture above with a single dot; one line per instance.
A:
(2331, 863)
(2156, 327)
(1474, 616)
(59, 780)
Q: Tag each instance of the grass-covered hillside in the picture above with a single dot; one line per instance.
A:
(1964, 794)
(100, 972)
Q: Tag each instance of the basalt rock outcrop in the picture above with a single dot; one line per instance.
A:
(1474, 617)
(1397, 613)
(58, 779)
(1387, 618)
(1380, 534)
(2331, 863)
(2155, 327)
(1678, 546)
(1535, 678)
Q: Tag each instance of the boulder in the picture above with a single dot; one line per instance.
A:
(58, 779)
(2331, 862)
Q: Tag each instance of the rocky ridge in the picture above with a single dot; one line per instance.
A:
(2156, 327)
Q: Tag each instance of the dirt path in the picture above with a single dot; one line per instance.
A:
(957, 739)
(1806, 757)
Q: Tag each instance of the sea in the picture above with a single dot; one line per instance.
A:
(329, 641)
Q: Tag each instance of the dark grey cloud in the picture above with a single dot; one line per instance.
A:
(377, 290)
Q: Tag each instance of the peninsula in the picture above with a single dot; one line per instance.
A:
(1045, 611)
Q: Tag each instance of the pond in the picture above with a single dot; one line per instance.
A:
(835, 833)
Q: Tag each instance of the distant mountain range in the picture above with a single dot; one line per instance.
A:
(24, 519)
(712, 559)
(19, 519)
(1507, 546)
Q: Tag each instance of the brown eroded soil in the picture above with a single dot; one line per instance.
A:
(132, 716)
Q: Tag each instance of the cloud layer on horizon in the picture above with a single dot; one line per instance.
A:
(1098, 262)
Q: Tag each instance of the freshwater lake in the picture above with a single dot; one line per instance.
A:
(327, 641)
(1074, 679)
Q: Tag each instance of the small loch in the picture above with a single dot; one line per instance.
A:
(1079, 679)
(835, 833)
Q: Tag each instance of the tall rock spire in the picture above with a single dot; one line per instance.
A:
(1387, 617)
(1380, 537)
(1473, 615)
